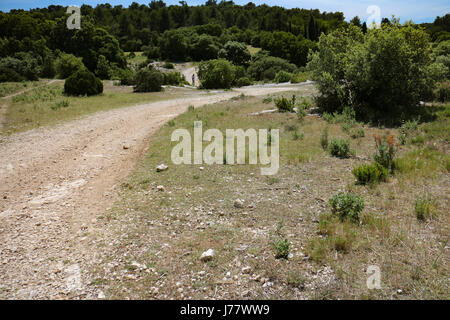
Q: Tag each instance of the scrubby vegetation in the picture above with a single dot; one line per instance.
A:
(83, 83)
(339, 148)
(347, 206)
(148, 80)
(347, 66)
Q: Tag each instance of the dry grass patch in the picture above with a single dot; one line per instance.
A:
(327, 257)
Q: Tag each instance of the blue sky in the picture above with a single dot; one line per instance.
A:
(416, 10)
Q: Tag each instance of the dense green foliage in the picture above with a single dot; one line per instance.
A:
(382, 74)
(265, 67)
(284, 104)
(218, 73)
(236, 52)
(68, 64)
(83, 82)
(370, 173)
(347, 206)
(339, 148)
(148, 80)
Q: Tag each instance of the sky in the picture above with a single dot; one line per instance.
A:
(417, 10)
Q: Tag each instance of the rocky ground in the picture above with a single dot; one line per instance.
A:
(55, 182)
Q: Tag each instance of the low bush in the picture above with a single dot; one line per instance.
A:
(264, 67)
(424, 208)
(282, 248)
(285, 105)
(302, 108)
(299, 77)
(324, 139)
(346, 206)
(127, 77)
(442, 92)
(385, 151)
(68, 64)
(407, 129)
(60, 104)
(357, 133)
(83, 82)
(173, 78)
(168, 65)
(339, 148)
(148, 80)
(267, 99)
(370, 173)
(283, 76)
(244, 81)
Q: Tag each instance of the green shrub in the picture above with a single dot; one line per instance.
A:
(339, 148)
(83, 82)
(442, 92)
(283, 76)
(347, 68)
(68, 64)
(173, 78)
(324, 139)
(370, 173)
(60, 104)
(346, 127)
(285, 105)
(406, 130)
(168, 65)
(244, 81)
(267, 99)
(298, 136)
(385, 149)
(148, 80)
(216, 74)
(346, 206)
(103, 70)
(127, 77)
(264, 67)
(302, 108)
(357, 133)
(23, 66)
(424, 208)
(236, 52)
(420, 139)
(299, 77)
(282, 248)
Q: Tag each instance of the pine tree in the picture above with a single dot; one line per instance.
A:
(364, 28)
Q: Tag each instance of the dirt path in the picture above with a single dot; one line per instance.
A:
(55, 182)
(29, 89)
(4, 106)
(188, 75)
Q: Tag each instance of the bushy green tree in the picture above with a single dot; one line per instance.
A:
(204, 47)
(83, 82)
(22, 66)
(103, 70)
(214, 74)
(265, 67)
(382, 75)
(148, 80)
(236, 52)
(174, 45)
(68, 64)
